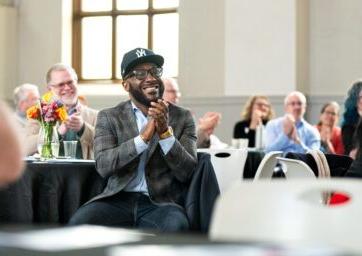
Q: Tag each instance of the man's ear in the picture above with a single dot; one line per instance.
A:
(125, 85)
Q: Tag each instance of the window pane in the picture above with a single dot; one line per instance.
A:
(96, 5)
(165, 3)
(132, 4)
(97, 48)
(132, 32)
(165, 41)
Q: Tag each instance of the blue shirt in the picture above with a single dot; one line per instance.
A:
(138, 181)
(276, 139)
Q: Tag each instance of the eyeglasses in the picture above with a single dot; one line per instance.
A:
(62, 85)
(330, 113)
(295, 103)
(141, 74)
(260, 105)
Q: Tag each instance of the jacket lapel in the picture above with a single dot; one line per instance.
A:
(128, 114)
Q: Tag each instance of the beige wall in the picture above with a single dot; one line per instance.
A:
(335, 45)
(201, 65)
(260, 43)
(40, 41)
(8, 51)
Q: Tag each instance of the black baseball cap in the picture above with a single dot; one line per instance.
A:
(138, 56)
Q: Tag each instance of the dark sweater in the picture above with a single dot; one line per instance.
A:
(242, 131)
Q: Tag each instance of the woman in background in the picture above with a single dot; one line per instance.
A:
(257, 110)
(331, 137)
(351, 116)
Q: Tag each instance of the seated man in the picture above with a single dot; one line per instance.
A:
(25, 96)
(207, 123)
(62, 81)
(291, 133)
(147, 148)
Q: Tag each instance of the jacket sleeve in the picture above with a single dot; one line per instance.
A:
(31, 139)
(111, 157)
(182, 157)
(87, 138)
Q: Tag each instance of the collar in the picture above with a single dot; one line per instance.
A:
(134, 107)
(74, 108)
(300, 123)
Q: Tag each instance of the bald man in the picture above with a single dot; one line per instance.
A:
(291, 133)
(206, 125)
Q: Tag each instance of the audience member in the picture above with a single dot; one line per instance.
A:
(257, 111)
(355, 170)
(62, 81)
(147, 148)
(207, 123)
(331, 138)
(291, 133)
(351, 115)
(172, 92)
(11, 154)
(205, 131)
(25, 96)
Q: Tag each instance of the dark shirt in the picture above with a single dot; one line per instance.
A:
(348, 138)
(242, 131)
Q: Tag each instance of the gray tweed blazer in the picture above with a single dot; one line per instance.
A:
(116, 157)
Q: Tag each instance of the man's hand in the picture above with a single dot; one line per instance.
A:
(74, 122)
(159, 112)
(148, 131)
(208, 122)
(289, 125)
(294, 135)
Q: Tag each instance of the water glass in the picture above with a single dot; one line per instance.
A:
(70, 148)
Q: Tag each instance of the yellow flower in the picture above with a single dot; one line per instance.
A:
(48, 97)
(62, 113)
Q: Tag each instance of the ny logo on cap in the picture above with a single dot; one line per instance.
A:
(140, 52)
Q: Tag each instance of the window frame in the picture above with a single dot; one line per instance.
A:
(78, 15)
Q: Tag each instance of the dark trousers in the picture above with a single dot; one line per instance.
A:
(127, 209)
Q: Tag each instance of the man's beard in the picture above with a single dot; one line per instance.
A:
(140, 97)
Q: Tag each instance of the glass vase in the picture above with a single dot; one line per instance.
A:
(48, 141)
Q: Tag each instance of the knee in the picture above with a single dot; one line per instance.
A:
(175, 222)
(85, 215)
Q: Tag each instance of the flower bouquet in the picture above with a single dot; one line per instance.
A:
(48, 111)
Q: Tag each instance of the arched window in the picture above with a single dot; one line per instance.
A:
(103, 30)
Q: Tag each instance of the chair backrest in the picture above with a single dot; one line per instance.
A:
(293, 168)
(267, 165)
(228, 165)
(282, 212)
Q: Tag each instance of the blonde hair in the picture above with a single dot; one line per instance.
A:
(248, 108)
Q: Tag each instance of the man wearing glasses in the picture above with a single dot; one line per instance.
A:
(62, 81)
(147, 150)
(291, 133)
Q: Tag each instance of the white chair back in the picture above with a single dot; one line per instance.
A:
(282, 212)
(228, 165)
(266, 167)
(293, 168)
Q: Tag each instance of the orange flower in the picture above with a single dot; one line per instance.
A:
(61, 113)
(33, 112)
